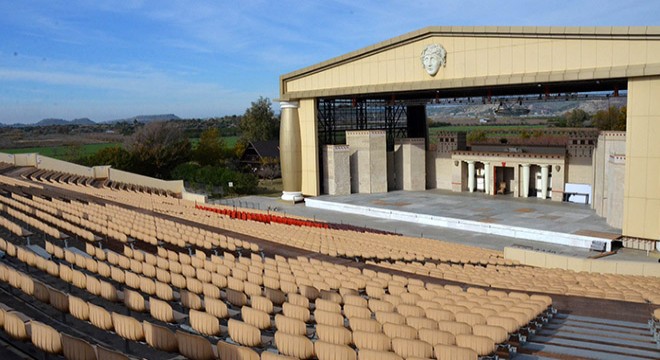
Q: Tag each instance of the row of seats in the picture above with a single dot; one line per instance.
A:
(44, 337)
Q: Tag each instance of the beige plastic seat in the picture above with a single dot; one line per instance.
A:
(330, 318)
(267, 355)
(454, 327)
(470, 318)
(127, 327)
(195, 347)
(254, 317)
(435, 337)
(109, 354)
(454, 352)
(290, 325)
(216, 307)
(204, 323)
(497, 333)
(163, 311)
(191, 300)
(159, 337)
(368, 325)
(297, 346)
(78, 308)
(58, 299)
(236, 298)
(353, 311)
(100, 317)
(331, 351)
(421, 323)
(399, 331)
(17, 325)
(507, 323)
(244, 334)
(366, 354)
(74, 348)
(262, 303)
(371, 341)
(45, 338)
(296, 311)
(408, 348)
(334, 334)
(134, 301)
(276, 296)
(390, 317)
(482, 345)
(236, 352)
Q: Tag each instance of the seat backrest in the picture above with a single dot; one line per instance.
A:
(421, 323)
(410, 310)
(160, 310)
(366, 354)
(261, 303)
(75, 348)
(236, 298)
(204, 323)
(294, 345)
(296, 311)
(355, 300)
(16, 325)
(103, 353)
(390, 317)
(100, 317)
(380, 305)
(194, 347)
(399, 331)
(434, 337)
(216, 307)
(497, 333)
(58, 299)
(278, 297)
(330, 318)
(482, 345)
(334, 334)
(297, 299)
(353, 311)
(255, 317)
(78, 308)
(41, 291)
(134, 301)
(236, 352)
(45, 338)
(290, 325)
(330, 351)
(454, 327)
(470, 318)
(454, 352)
(244, 334)
(159, 337)
(191, 300)
(368, 325)
(371, 341)
(407, 348)
(127, 327)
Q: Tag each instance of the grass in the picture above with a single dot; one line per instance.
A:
(63, 152)
(230, 141)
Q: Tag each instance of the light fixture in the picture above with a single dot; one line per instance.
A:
(557, 167)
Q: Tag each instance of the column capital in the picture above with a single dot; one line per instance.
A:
(470, 162)
(525, 165)
(289, 104)
(543, 165)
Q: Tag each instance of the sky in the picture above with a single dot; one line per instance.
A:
(114, 59)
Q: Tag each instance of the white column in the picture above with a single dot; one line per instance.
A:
(525, 180)
(471, 178)
(290, 152)
(488, 184)
(544, 181)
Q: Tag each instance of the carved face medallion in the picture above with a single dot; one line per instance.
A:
(433, 57)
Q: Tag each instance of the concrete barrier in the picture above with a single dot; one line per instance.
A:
(554, 261)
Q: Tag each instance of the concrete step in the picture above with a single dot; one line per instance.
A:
(612, 348)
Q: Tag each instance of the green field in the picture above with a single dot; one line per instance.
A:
(63, 152)
(468, 128)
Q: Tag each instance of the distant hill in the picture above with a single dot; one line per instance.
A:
(51, 122)
(147, 118)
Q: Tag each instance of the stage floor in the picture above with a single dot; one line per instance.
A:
(484, 210)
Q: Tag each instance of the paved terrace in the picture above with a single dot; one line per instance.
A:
(531, 213)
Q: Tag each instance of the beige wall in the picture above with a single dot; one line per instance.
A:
(609, 168)
(309, 147)
(195, 198)
(439, 170)
(641, 217)
(175, 186)
(481, 57)
(25, 159)
(580, 171)
(7, 158)
(553, 261)
(47, 163)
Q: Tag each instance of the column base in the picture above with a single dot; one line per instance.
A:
(294, 196)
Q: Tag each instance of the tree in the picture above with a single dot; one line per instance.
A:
(158, 147)
(269, 169)
(259, 122)
(115, 156)
(576, 118)
(211, 148)
(613, 118)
